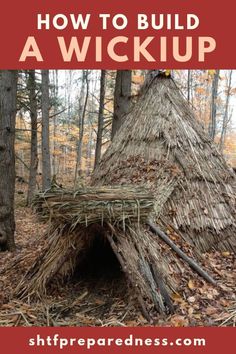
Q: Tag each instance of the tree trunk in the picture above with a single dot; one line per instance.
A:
(100, 118)
(89, 151)
(78, 169)
(8, 86)
(46, 165)
(121, 98)
(34, 140)
(55, 107)
(212, 125)
(226, 112)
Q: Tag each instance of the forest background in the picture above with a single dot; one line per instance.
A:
(84, 108)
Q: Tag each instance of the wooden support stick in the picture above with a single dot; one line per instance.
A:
(161, 286)
(123, 266)
(154, 228)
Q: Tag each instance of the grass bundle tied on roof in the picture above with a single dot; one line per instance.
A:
(87, 206)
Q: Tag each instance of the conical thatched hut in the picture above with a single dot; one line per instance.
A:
(162, 145)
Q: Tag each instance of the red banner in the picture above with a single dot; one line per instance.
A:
(117, 34)
(209, 340)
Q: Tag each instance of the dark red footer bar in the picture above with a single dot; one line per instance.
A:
(117, 340)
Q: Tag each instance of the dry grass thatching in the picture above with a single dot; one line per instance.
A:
(87, 206)
(79, 219)
(162, 146)
(103, 299)
(115, 215)
(134, 248)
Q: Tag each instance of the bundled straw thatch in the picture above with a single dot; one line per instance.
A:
(114, 214)
(87, 206)
(56, 260)
(119, 217)
(162, 145)
(135, 249)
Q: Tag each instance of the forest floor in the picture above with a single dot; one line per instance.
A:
(106, 300)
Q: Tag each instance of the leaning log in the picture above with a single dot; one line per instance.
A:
(180, 253)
